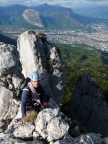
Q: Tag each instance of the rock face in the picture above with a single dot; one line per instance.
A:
(50, 125)
(10, 67)
(57, 75)
(5, 101)
(66, 140)
(57, 129)
(16, 80)
(8, 107)
(24, 131)
(36, 54)
(8, 59)
(88, 106)
(33, 17)
(6, 139)
(91, 138)
(9, 71)
(32, 53)
(43, 119)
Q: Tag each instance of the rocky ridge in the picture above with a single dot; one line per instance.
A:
(34, 52)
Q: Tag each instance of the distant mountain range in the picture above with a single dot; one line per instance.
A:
(96, 11)
(44, 17)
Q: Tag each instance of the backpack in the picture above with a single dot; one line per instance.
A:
(21, 86)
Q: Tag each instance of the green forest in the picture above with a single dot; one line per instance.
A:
(82, 59)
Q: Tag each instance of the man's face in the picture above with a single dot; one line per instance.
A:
(35, 84)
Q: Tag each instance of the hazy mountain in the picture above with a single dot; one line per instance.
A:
(96, 11)
(58, 17)
(12, 16)
(45, 16)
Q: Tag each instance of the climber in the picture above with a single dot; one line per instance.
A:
(33, 96)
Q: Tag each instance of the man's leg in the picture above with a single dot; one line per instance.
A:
(30, 116)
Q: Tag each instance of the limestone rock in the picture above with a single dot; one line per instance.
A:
(12, 110)
(88, 139)
(57, 129)
(24, 131)
(43, 119)
(50, 124)
(6, 97)
(6, 139)
(57, 75)
(36, 135)
(91, 138)
(16, 81)
(66, 140)
(8, 58)
(31, 52)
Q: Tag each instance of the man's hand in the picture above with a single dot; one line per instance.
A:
(45, 104)
(37, 103)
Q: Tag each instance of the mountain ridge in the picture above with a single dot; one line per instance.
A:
(51, 17)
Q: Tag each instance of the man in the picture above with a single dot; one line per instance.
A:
(33, 96)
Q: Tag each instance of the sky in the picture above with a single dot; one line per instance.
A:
(68, 3)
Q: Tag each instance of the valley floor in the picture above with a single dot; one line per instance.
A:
(99, 40)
